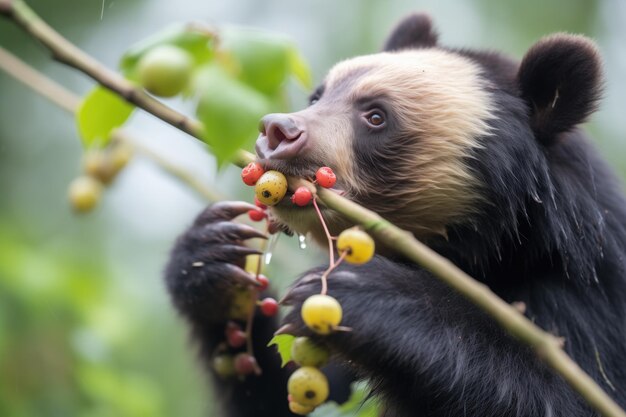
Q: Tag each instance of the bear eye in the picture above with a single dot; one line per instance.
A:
(375, 118)
(313, 100)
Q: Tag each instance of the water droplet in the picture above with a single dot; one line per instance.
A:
(271, 245)
(302, 241)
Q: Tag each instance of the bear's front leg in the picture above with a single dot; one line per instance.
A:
(204, 273)
(426, 350)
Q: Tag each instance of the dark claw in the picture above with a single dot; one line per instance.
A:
(285, 329)
(224, 231)
(294, 325)
(236, 231)
(302, 290)
(230, 253)
(224, 210)
(240, 275)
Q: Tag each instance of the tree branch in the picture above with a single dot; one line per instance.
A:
(546, 345)
(69, 102)
(32, 78)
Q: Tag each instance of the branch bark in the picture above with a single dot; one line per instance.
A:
(68, 101)
(547, 346)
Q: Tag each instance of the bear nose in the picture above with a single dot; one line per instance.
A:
(278, 128)
(280, 137)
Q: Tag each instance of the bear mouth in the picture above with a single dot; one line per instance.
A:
(295, 167)
(298, 167)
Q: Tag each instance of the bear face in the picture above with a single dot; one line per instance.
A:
(394, 127)
(434, 138)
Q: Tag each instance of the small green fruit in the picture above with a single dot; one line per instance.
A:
(84, 193)
(224, 365)
(97, 164)
(305, 352)
(165, 70)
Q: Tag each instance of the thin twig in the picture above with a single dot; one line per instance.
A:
(326, 273)
(331, 251)
(546, 345)
(68, 101)
(32, 78)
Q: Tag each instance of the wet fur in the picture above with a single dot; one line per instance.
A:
(549, 230)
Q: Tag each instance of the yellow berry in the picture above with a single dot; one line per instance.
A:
(357, 244)
(120, 155)
(252, 264)
(165, 70)
(241, 305)
(224, 365)
(305, 352)
(321, 313)
(308, 386)
(299, 409)
(84, 193)
(271, 188)
(98, 164)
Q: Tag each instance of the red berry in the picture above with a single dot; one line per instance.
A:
(301, 197)
(256, 215)
(265, 283)
(269, 307)
(245, 364)
(236, 339)
(325, 177)
(251, 173)
(231, 326)
(259, 204)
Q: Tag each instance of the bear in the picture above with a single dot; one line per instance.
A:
(481, 157)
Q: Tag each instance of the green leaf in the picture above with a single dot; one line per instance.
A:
(358, 405)
(300, 69)
(263, 58)
(197, 41)
(283, 342)
(99, 113)
(230, 112)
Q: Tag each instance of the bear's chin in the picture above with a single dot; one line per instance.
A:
(305, 221)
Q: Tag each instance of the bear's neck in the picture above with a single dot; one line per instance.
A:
(569, 224)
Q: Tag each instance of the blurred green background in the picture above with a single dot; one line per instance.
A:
(86, 328)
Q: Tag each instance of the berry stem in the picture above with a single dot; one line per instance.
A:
(255, 302)
(331, 252)
(324, 276)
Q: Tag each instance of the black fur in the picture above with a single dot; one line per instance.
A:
(551, 234)
(415, 31)
(560, 77)
(205, 267)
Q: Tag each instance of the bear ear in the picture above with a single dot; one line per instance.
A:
(414, 31)
(561, 80)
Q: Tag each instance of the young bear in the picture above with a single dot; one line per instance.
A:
(479, 156)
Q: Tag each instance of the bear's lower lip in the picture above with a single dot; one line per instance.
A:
(294, 168)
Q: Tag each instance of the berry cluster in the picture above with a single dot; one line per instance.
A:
(307, 386)
(321, 313)
(271, 186)
(100, 168)
(227, 365)
(231, 360)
